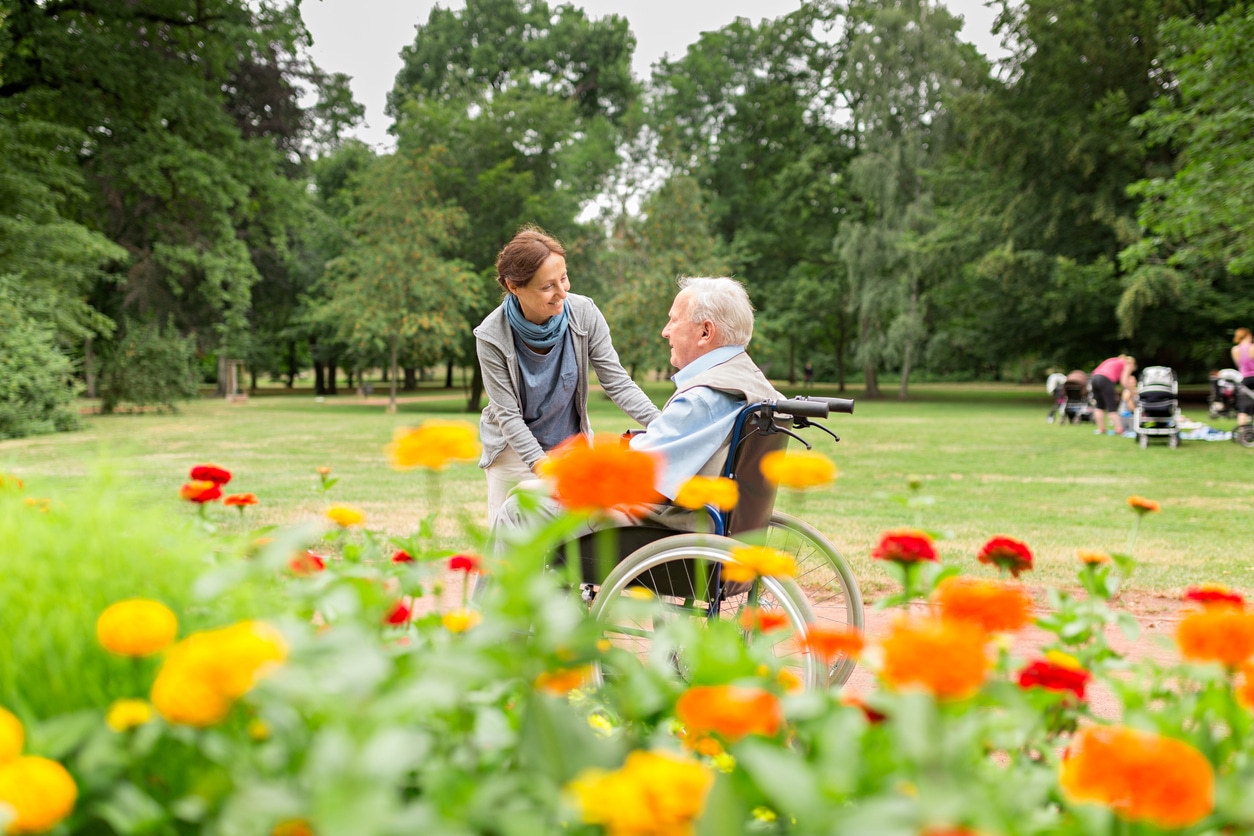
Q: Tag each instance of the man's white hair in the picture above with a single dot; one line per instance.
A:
(724, 302)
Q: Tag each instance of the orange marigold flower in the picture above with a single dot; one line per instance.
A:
(1093, 557)
(905, 546)
(996, 607)
(1142, 505)
(210, 473)
(601, 474)
(789, 680)
(200, 492)
(306, 564)
(944, 657)
(1053, 675)
(240, 500)
(1217, 634)
(652, 794)
(433, 445)
(1142, 777)
(1006, 553)
(1244, 689)
(830, 645)
(729, 711)
(12, 736)
(138, 627)
(799, 470)
(40, 793)
(324, 471)
(11, 483)
(700, 491)
(752, 561)
(763, 621)
(948, 830)
(1209, 594)
(292, 827)
(562, 681)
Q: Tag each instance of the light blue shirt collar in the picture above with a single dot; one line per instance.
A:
(705, 362)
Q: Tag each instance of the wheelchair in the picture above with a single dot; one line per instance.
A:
(682, 572)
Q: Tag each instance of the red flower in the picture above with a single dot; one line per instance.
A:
(1007, 553)
(402, 556)
(464, 563)
(398, 615)
(306, 564)
(240, 499)
(200, 492)
(854, 701)
(905, 546)
(211, 473)
(1213, 593)
(1044, 673)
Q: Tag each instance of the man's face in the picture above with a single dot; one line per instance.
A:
(689, 340)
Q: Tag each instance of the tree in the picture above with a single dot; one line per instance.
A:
(393, 288)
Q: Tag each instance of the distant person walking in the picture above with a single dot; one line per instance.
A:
(809, 373)
(1243, 359)
(1109, 373)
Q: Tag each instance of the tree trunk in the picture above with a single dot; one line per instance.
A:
(291, 363)
(350, 374)
(222, 393)
(320, 377)
(89, 367)
(331, 377)
(476, 391)
(872, 381)
(252, 380)
(448, 374)
(392, 380)
(904, 391)
(792, 361)
(411, 379)
(387, 374)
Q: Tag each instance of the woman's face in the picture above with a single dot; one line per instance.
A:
(545, 295)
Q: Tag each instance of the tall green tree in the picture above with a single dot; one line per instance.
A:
(394, 289)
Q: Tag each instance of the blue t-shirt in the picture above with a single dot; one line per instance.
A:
(550, 384)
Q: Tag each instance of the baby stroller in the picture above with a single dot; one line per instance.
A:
(1223, 393)
(1157, 409)
(1071, 398)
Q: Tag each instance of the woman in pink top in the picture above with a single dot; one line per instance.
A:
(1105, 376)
(1243, 359)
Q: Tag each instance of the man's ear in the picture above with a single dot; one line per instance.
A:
(708, 330)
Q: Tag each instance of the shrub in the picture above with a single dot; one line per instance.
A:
(36, 388)
(148, 366)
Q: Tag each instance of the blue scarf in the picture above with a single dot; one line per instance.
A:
(536, 336)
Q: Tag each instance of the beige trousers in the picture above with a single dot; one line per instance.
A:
(504, 474)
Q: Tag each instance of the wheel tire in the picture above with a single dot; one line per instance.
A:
(1142, 439)
(1173, 440)
(1245, 435)
(825, 580)
(631, 624)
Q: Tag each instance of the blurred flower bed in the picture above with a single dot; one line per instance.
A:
(176, 675)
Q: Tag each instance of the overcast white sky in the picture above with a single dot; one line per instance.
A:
(363, 38)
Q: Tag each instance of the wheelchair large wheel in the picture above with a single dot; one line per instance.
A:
(825, 580)
(676, 572)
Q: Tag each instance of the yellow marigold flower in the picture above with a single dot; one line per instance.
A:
(433, 445)
(652, 793)
(944, 657)
(124, 715)
(1093, 557)
(258, 730)
(700, 491)
(203, 675)
(1142, 505)
(600, 724)
(640, 593)
(137, 627)
(724, 762)
(789, 680)
(459, 621)
(1217, 634)
(41, 504)
(40, 791)
(12, 736)
(1063, 660)
(996, 607)
(752, 561)
(799, 470)
(1142, 777)
(561, 681)
(345, 515)
(292, 827)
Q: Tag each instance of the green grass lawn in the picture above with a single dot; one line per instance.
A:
(983, 452)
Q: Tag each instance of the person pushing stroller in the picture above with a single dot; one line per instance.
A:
(1109, 373)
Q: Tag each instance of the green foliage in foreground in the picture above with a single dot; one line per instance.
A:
(373, 728)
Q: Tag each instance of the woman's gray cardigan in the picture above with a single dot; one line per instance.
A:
(502, 422)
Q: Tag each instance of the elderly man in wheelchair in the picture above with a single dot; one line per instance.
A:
(722, 420)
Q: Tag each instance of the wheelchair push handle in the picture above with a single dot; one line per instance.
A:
(842, 405)
(799, 408)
